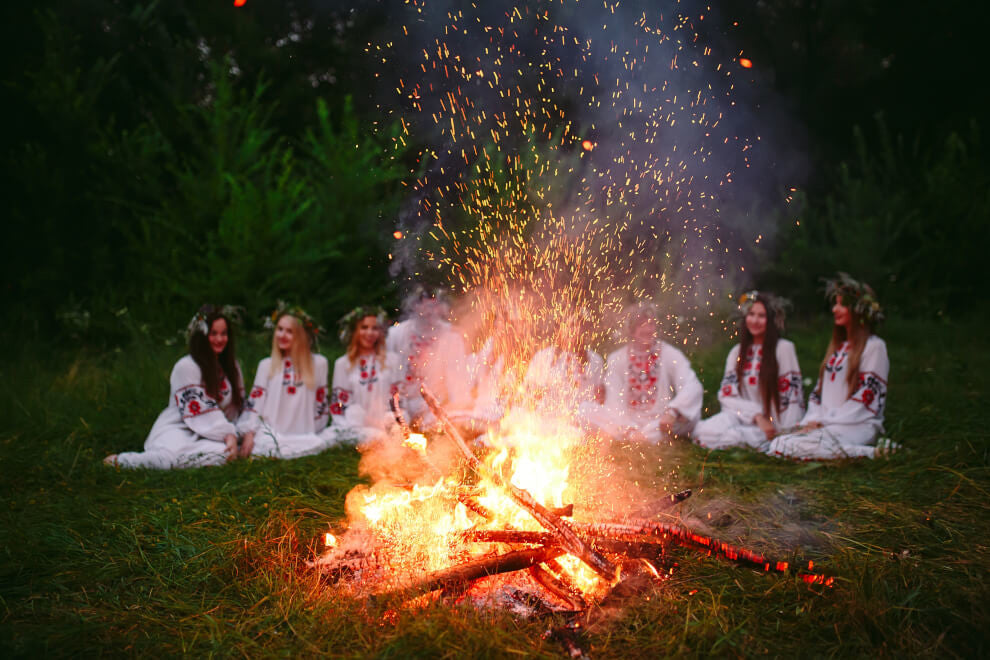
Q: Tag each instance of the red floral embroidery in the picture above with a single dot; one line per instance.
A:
(336, 409)
(257, 392)
(783, 384)
(868, 397)
(752, 380)
(194, 407)
(291, 389)
(344, 396)
(727, 390)
(321, 394)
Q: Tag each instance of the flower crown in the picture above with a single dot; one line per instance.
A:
(857, 296)
(776, 304)
(198, 321)
(313, 329)
(347, 323)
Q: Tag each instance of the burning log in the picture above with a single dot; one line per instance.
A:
(549, 520)
(564, 592)
(454, 576)
(636, 547)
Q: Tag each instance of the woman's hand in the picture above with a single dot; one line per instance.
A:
(765, 425)
(230, 446)
(247, 444)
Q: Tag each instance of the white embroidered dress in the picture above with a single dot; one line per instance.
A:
(741, 402)
(434, 356)
(190, 431)
(285, 415)
(359, 400)
(851, 424)
(640, 386)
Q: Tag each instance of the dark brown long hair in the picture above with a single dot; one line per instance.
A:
(769, 369)
(214, 366)
(857, 342)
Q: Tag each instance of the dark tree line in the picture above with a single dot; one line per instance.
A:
(156, 154)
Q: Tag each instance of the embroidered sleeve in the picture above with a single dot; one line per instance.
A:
(872, 393)
(322, 409)
(340, 399)
(199, 411)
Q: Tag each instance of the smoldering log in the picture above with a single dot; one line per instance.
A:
(551, 522)
(632, 530)
(564, 592)
(677, 498)
(509, 562)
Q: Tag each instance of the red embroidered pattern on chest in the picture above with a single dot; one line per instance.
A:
(289, 381)
(643, 371)
(369, 373)
(835, 363)
(751, 368)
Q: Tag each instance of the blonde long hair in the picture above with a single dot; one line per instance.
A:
(857, 341)
(300, 353)
(353, 349)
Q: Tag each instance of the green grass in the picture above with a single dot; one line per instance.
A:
(100, 561)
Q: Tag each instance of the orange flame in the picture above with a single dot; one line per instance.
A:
(330, 540)
(416, 441)
(745, 63)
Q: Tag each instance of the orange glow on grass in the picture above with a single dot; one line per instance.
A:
(745, 63)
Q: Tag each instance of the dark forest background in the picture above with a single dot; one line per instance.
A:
(159, 154)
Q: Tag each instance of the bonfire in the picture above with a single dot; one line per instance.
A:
(496, 529)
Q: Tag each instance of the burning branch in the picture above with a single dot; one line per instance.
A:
(455, 576)
(549, 520)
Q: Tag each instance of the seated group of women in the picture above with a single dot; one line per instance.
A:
(645, 390)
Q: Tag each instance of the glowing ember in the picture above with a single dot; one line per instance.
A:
(397, 234)
(240, 3)
(329, 540)
(587, 145)
(745, 63)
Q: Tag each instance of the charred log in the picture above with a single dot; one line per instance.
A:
(449, 578)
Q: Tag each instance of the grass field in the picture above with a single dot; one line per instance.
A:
(97, 561)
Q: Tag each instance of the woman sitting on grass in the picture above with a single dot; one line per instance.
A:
(288, 405)
(651, 392)
(761, 389)
(845, 410)
(207, 392)
(363, 380)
